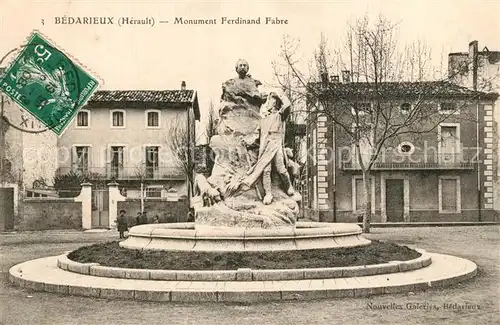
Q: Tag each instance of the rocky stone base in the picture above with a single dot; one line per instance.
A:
(256, 215)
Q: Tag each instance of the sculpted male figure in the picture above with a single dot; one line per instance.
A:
(271, 151)
(249, 148)
(240, 102)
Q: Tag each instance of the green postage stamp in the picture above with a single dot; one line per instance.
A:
(47, 83)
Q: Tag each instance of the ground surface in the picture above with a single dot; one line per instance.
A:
(110, 254)
(479, 244)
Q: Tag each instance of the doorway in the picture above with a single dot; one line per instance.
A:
(100, 208)
(6, 209)
(394, 200)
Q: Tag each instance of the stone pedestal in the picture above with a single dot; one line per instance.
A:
(114, 197)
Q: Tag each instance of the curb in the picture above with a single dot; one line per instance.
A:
(64, 263)
(39, 275)
(430, 224)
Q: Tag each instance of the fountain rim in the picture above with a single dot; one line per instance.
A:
(193, 230)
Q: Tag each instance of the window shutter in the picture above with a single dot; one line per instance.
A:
(74, 158)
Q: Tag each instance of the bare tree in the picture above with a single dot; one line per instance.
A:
(366, 106)
(285, 80)
(140, 173)
(211, 126)
(180, 146)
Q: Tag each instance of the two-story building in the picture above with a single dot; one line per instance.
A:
(436, 175)
(482, 73)
(124, 136)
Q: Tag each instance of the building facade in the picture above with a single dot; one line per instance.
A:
(28, 160)
(483, 73)
(124, 136)
(436, 174)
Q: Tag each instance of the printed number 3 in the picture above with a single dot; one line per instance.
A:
(42, 52)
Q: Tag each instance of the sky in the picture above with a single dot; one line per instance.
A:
(163, 55)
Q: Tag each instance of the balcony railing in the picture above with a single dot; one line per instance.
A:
(126, 173)
(414, 162)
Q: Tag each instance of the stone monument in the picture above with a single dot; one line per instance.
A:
(249, 186)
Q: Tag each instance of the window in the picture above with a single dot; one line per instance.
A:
(358, 198)
(81, 159)
(405, 108)
(365, 133)
(82, 118)
(449, 142)
(449, 194)
(406, 148)
(153, 191)
(448, 108)
(152, 163)
(153, 119)
(116, 169)
(118, 118)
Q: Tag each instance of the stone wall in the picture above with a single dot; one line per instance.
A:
(53, 213)
(167, 211)
(414, 216)
(39, 157)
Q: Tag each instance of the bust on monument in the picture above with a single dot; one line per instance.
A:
(240, 101)
(249, 148)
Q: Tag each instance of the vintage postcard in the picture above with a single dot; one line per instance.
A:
(271, 162)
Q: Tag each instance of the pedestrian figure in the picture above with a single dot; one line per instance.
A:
(122, 224)
(138, 218)
(144, 218)
(156, 219)
(190, 216)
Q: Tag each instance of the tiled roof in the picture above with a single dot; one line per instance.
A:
(394, 90)
(145, 98)
(148, 96)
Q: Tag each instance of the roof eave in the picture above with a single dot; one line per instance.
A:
(131, 104)
(196, 106)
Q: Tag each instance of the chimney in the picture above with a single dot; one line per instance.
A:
(183, 85)
(324, 78)
(473, 54)
(334, 79)
(346, 76)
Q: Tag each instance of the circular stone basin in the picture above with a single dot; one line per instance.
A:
(188, 236)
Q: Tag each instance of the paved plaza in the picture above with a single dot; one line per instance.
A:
(474, 301)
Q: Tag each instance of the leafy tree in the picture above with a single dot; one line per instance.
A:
(68, 185)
